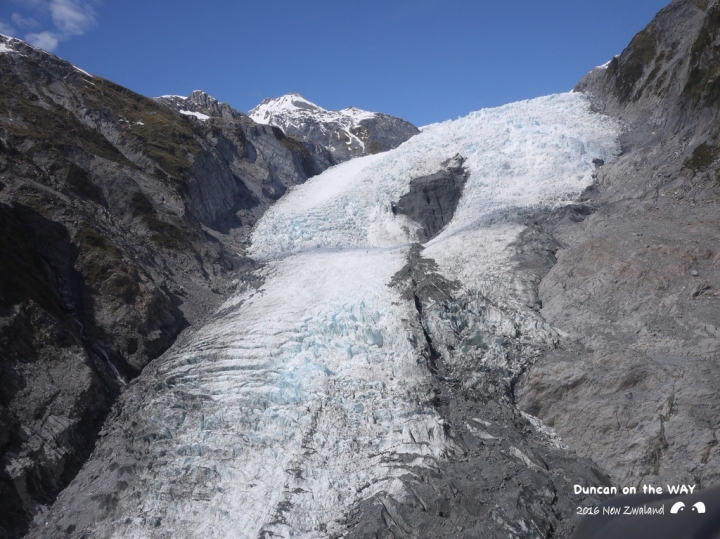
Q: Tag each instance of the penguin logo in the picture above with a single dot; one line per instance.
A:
(679, 507)
(698, 508)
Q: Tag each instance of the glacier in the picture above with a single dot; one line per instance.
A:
(520, 156)
(314, 389)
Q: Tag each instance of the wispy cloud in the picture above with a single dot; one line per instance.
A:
(6, 28)
(24, 22)
(45, 40)
(70, 18)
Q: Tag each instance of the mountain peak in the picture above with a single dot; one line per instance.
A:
(346, 133)
(201, 105)
(285, 104)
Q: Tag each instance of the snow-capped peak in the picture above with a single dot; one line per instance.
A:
(347, 133)
(295, 104)
(275, 111)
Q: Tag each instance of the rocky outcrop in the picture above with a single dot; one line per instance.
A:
(431, 200)
(599, 317)
(124, 224)
(345, 133)
(202, 105)
(634, 384)
(509, 474)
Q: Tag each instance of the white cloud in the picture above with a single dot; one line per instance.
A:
(24, 22)
(70, 17)
(6, 29)
(44, 40)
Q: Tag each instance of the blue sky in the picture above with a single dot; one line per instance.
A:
(423, 60)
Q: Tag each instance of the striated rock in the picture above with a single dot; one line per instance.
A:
(202, 105)
(364, 385)
(431, 200)
(356, 383)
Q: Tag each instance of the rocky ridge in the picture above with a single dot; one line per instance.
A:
(125, 224)
(636, 286)
(618, 333)
(345, 133)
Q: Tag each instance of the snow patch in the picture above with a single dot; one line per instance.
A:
(198, 115)
(82, 71)
(357, 114)
(548, 432)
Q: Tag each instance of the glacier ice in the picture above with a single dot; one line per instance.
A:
(520, 156)
(309, 394)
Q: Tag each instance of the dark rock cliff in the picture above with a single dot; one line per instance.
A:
(123, 223)
(636, 287)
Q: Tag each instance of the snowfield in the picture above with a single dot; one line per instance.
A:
(312, 390)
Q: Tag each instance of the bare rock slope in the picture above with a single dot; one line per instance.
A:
(123, 223)
(635, 384)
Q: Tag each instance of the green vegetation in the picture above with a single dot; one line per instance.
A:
(52, 127)
(102, 265)
(167, 235)
(163, 234)
(164, 136)
(702, 157)
(642, 51)
(703, 84)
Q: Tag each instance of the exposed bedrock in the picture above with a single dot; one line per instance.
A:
(365, 385)
(339, 134)
(509, 474)
(431, 200)
(123, 223)
(635, 382)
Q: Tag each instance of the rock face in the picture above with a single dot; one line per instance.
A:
(634, 384)
(201, 106)
(345, 133)
(123, 223)
(431, 200)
